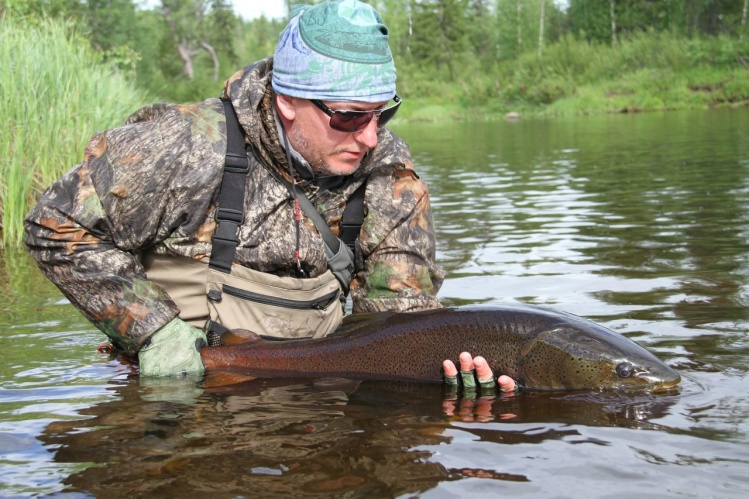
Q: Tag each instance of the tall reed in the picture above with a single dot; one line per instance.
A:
(54, 93)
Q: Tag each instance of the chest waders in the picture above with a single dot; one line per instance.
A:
(218, 295)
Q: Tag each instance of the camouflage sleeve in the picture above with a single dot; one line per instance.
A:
(138, 185)
(398, 245)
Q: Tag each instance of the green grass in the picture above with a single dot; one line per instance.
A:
(54, 93)
(646, 72)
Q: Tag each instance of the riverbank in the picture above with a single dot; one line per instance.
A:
(646, 72)
(628, 95)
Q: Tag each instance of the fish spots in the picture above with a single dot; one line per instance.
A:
(542, 349)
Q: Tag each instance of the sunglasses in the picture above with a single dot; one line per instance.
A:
(350, 121)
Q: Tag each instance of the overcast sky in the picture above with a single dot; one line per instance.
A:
(250, 9)
(247, 9)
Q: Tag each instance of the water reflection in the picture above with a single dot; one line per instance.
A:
(329, 436)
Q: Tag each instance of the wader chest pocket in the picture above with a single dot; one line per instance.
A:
(269, 305)
(321, 303)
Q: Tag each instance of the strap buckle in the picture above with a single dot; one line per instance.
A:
(235, 163)
(229, 215)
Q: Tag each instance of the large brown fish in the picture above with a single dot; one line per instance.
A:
(541, 348)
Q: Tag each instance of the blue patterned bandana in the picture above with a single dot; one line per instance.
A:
(335, 51)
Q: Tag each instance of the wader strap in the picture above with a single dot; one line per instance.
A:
(230, 212)
(340, 257)
(353, 217)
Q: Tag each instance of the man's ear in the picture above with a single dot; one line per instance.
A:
(286, 107)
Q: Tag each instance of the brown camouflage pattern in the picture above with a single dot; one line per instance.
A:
(152, 185)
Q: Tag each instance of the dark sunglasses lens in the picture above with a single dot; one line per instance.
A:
(387, 115)
(349, 121)
(355, 121)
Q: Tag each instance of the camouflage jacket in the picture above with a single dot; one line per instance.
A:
(152, 185)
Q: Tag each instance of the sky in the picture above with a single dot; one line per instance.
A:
(250, 9)
(247, 9)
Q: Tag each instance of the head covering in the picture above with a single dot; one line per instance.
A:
(337, 51)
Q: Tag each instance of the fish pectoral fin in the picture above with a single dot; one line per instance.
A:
(240, 337)
(345, 385)
(216, 379)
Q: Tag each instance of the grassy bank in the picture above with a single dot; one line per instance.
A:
(54, 94)
(647, 72)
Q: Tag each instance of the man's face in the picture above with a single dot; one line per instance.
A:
(328, 151)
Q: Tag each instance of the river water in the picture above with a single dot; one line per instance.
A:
(638, 222)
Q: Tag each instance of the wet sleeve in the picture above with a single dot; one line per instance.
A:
(398, 245)
(137, 186)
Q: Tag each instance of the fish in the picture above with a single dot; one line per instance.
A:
(542, 349)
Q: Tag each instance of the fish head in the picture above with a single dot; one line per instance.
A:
(588, 356)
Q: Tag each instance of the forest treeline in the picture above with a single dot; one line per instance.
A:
(71, 67)
(489, 56)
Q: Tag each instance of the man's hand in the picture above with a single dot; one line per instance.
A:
(475, 402)
(469, 364)
(173, 350)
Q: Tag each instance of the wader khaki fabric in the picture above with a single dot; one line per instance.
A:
(184, 279)
(279, 307)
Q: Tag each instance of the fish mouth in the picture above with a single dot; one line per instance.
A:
(665, 380)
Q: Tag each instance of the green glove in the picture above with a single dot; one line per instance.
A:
(173, 350)
(469, 381)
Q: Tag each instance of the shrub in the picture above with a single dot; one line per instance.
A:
(54, 93)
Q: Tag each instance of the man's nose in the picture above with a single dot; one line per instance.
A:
(368, 135)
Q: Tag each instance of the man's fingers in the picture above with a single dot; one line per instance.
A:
(506, 384)
(451, 378)
(484, 374)
(483, 371)
(466, 362)
(466, 370)
(448, 367)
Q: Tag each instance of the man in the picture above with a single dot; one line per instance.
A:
(131, 234)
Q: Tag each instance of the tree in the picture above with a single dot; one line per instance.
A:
(193, 24)
(440, 33)
(591, 19)
(517, 21)
(259, 38)
(52, 8)
(541, 25)
(111, 23)
(224, 25)
(605, 20)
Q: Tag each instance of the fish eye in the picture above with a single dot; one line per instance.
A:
(625, 370)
